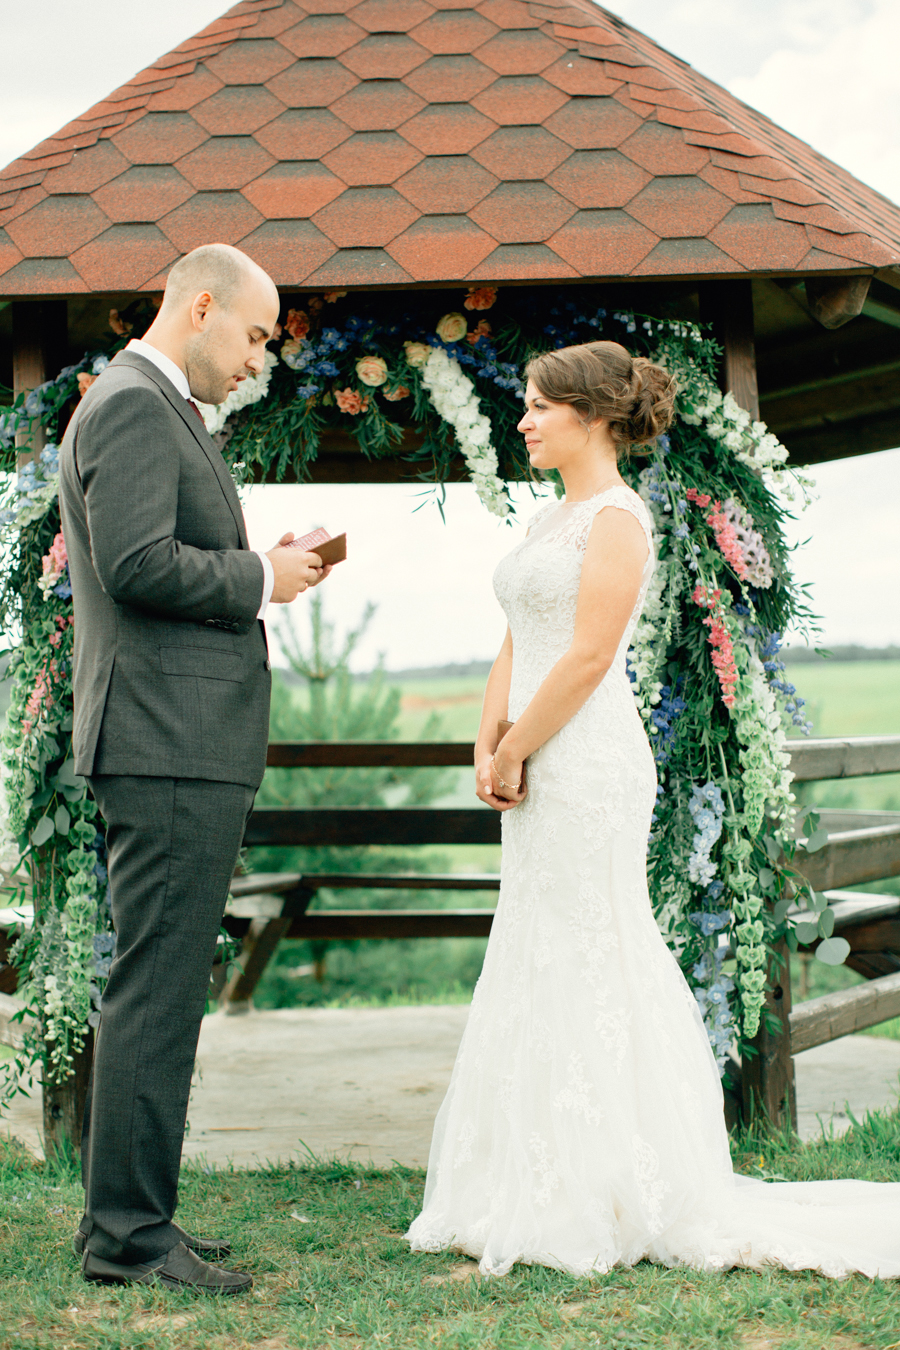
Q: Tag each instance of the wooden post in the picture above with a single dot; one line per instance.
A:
(40, 337)
(767, 1078)
(728, 306)
(64, 1101)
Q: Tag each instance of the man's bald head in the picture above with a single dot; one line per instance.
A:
(220, 269)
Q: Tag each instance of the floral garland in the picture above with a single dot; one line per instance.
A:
(704, 660)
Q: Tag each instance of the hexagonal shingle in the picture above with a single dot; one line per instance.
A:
(603, 243)
(679, 207)
(237, 110)
(186, 92)
(593, 123)
(441, 248)
(293, 191)
(390, 16)
(580, 75)
(450, 79)
(365, 217)
(250, 61)
(159, 138)
(521, 152)
(322, 35)
(509, 14)
(758, 240)
(446, 184)
(52, 276)
(598, 178)
(454, 32)
(87, 170)
(124, 257)
(370, 158)
(448, 129)
(516, 100)
(312, 84)
(522, 213)
(662, 150)
(288, 249)
(517, 261)
(223, 216)
(225, 162)
(57, 226)
(519, 53)
(378, 105)
(144, 192)
(680, 257)
(359, 267)
(384, 56)
(303, 133)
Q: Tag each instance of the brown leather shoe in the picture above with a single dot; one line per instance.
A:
(211, 1249)
(178, 1269)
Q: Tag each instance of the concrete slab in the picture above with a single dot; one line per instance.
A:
(366, 1083)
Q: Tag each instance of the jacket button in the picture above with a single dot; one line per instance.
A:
(268, 665)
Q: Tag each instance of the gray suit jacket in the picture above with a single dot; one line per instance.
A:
(171, 670)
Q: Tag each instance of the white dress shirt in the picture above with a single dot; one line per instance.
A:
(177, 377)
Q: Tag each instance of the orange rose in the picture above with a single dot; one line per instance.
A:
(84, 382)
(297, 323)
(481, 329)
(480, 297)
(394, 395)
(349, 401)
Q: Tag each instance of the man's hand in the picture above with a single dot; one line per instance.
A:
(295, 571)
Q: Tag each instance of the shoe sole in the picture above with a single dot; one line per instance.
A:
(155, 1277)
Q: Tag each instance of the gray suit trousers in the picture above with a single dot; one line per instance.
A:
(173, 843)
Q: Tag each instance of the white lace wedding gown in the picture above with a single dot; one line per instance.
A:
(583, 1126)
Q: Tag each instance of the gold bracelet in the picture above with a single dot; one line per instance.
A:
(507, 787)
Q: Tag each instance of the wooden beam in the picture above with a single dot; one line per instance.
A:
(39, 333)
(274, 883)
(852, 436)
(825, 1019)
(368, 754)
(834, 301)
(352, 825)
(850, 757)
(728, 306)
(852, 857)
(353, 924)
(767, 1077)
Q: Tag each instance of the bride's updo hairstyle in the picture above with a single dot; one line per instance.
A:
(602, 379)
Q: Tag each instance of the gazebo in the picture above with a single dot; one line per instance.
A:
(390, 145)
(399, 143)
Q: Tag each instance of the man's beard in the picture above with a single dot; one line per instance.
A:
(208, 382)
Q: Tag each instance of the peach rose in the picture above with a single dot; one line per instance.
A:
(84, 382)
(481, 329)
(394, 395)
(349, 401)
(331, 296)
(119, 326)
(297, 323)
(315, 303)
(452, 327)
(371, 370)
(480, 297)
(417, 353)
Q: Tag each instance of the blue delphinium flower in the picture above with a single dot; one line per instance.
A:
(707, 809)
(711, 994)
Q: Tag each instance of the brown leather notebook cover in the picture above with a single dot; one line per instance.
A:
(502, 728)
(330, 550)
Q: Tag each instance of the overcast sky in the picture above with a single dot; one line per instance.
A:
(824, 69)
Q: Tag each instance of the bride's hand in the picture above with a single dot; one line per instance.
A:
(485, 783)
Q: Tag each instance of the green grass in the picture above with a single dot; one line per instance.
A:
(346, 1279)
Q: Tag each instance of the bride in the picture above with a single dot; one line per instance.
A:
(583, 1127)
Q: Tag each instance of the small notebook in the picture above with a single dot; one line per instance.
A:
(331, 549)
(502, 728)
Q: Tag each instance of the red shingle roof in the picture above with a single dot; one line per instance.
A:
(389, 141)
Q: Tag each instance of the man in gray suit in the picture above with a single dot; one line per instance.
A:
(172, 692)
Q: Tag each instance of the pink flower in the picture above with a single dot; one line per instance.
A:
(349, 401)
(297, 323)
(480, 297)
(84, 382)
(481, 329)
(54, 563)
(720, 640)
(726, 538)
(394, 395)
(698, 498)
(372, 370)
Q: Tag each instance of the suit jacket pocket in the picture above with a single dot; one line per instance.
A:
(207, 663)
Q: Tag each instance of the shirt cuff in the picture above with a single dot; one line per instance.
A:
(268, 582)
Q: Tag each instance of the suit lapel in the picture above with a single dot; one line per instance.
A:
(197, 430)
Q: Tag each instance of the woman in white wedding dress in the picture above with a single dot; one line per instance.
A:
(583, 1127)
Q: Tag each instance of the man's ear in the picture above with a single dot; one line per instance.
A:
(200, 310)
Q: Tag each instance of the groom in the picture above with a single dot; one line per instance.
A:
(172, 691)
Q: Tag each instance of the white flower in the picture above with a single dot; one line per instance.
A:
(455, 400)
(248, 391)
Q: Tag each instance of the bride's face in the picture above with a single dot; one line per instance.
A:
(553, 434)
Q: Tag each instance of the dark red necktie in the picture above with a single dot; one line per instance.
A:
(192, 404)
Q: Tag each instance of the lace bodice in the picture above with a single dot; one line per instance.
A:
(537, 585)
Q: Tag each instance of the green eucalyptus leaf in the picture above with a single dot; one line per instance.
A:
(826, 923)
(62, 820)
(772, 848)
(818, 900)
(42, 831)
(818, 839)
(806, 932)
(766, 877)
(67, 777)
(833, 951)
(780, 912)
